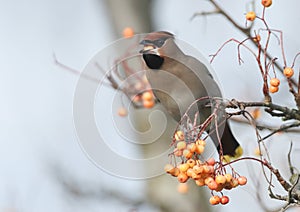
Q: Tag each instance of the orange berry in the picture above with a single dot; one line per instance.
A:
(182, 188)
(128, 32)
(200, 142)
(273, 89)
(149, 103)
(190, 172)
(207, 169)
(179, 135)
(208, 180)
(191, 162)
(213, 185)
(214, 200)
(122, 111)
(175, 172)
(200, 182)
(184, 167)
(224, 200)
(211, 161)
(234, 182)
(187, 154)
(199, 149)
(198, 169)
(182, 177)
(228, 177)
(266, 3)
(147, 96)
(168, 168)
(242, 180)
(257, 38)
(250, 16)
(177, 152)
(288, 72)
(192, 147)
(220, 179)
(196, 176)
(181, 145)
(275, 82)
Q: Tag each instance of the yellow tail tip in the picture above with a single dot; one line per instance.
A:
(237, 153)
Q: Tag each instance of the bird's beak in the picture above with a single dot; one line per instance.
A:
(149, 48)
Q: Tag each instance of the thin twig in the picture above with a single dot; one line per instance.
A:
(276, 172)
(281, 129)
(245, 30)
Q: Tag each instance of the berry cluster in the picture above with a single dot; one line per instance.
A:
(146, 99)
(288, 71)
(205, 173)
(275, 82)
(250, 16)
(274, 85)
(138, 88)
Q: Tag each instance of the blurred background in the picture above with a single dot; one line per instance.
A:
(42, 167)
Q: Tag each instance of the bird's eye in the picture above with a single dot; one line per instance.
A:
(159, 42)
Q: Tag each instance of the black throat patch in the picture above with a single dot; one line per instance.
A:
(153, 61)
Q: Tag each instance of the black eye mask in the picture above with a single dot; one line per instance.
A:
(157, 43)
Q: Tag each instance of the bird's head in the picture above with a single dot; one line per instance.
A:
(154, 49)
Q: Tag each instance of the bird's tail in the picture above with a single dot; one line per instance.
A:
(229, 146)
